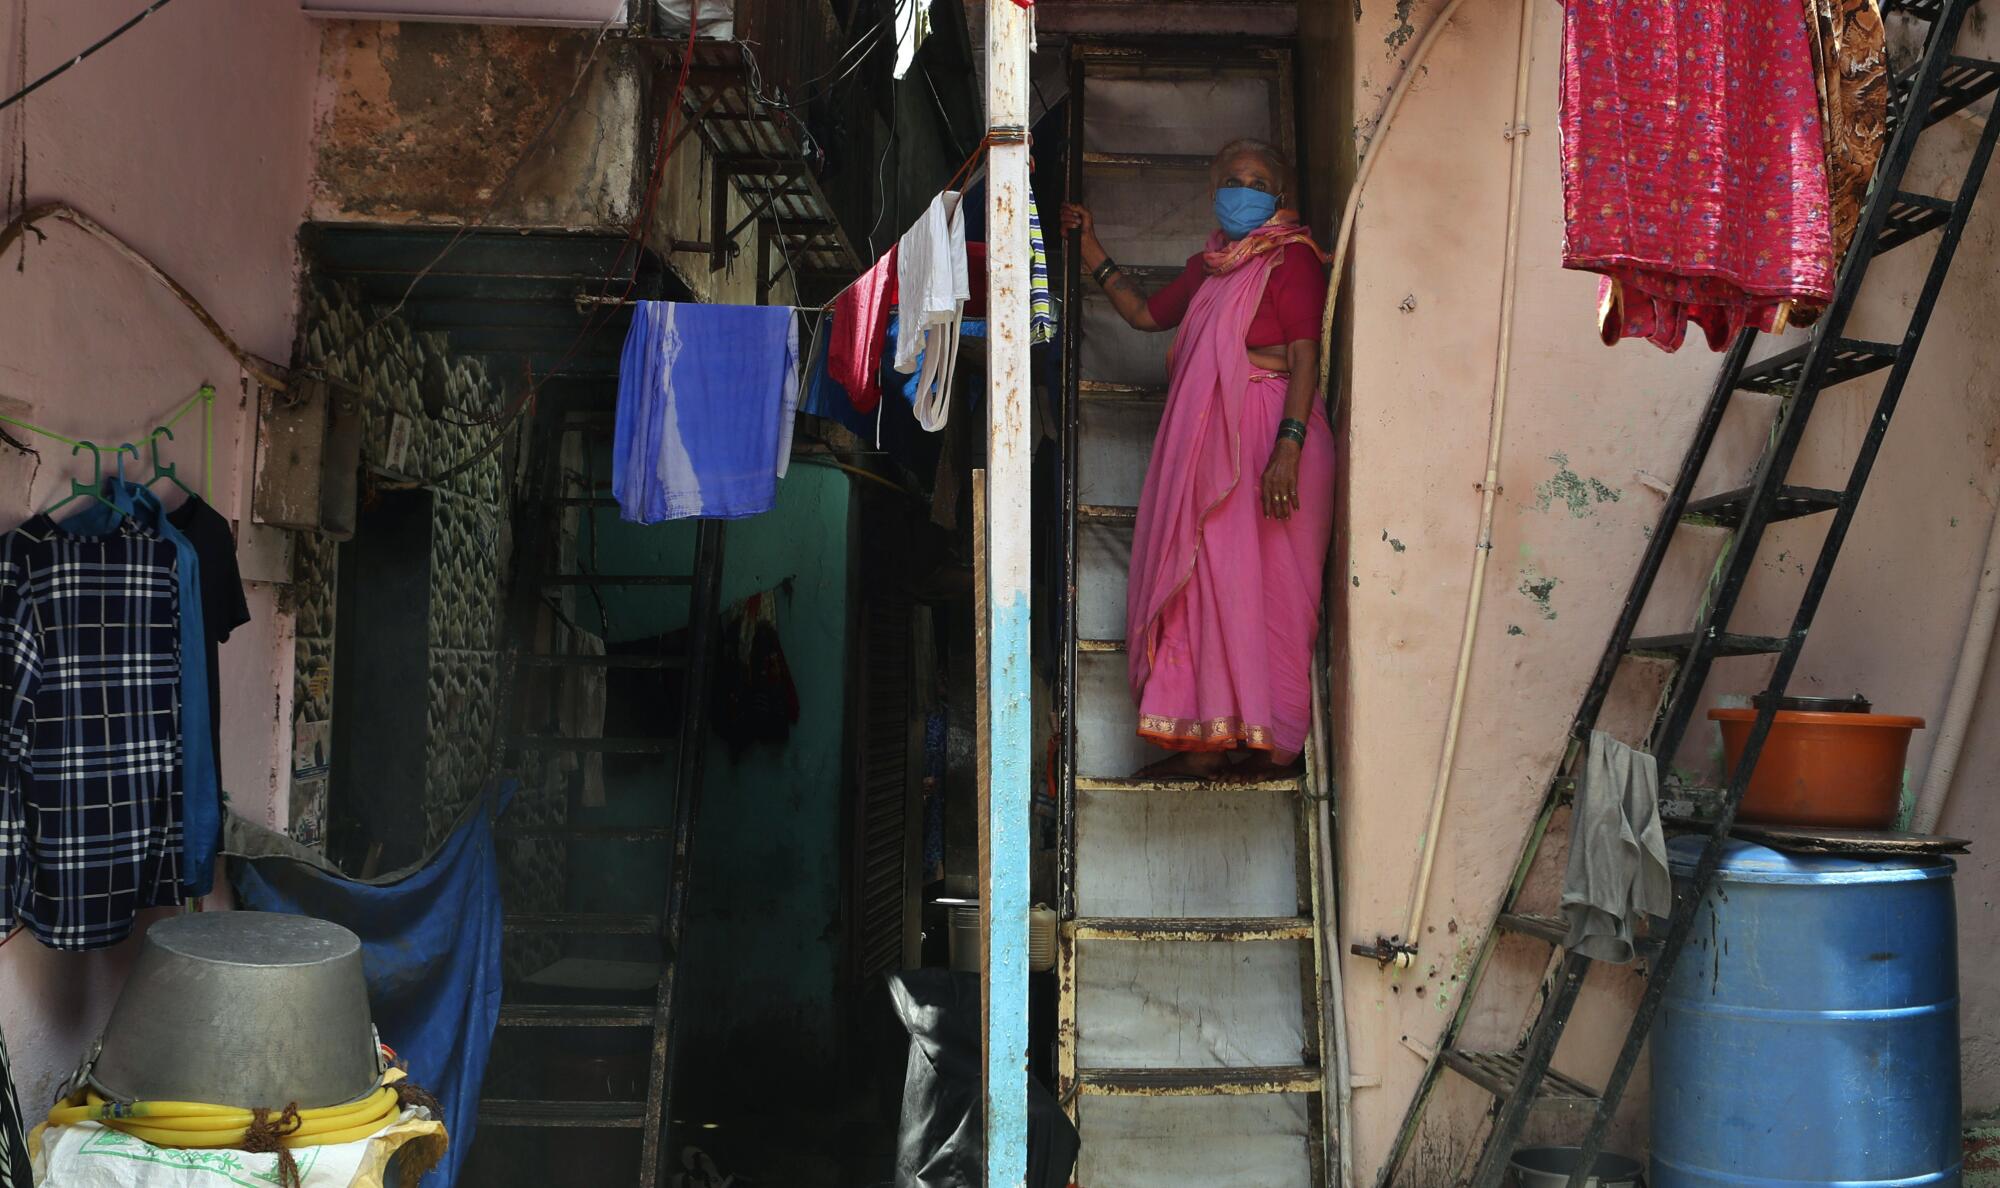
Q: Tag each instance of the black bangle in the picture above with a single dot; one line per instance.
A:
(1103, 271)
(1293, 429)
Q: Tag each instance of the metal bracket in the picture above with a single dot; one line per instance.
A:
(1387, 951)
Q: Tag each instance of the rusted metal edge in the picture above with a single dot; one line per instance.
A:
(1102, 511)
(1100, 646)
(1187, 161)
(1137, 784)
(1222, 929)
(1197, 1082)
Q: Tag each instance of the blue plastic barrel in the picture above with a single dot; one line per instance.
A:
(1810, 1030)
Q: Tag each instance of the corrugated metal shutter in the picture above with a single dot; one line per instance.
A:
(885, 876)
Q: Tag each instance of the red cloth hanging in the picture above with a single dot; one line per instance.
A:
(1694, 170)
(860, 326)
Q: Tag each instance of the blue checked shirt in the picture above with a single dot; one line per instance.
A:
(90, 742)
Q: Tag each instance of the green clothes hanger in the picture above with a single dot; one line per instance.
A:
(163, 470)
(92, 489)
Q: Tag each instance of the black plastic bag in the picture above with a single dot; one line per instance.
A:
(941, 1142)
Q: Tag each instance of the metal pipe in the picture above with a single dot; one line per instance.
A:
(1009, 742)
(1345, 235)
(1489, 488)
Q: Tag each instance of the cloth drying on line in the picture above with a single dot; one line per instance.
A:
(1041, 306)
(1851, 55)
(1694, 168)
(706, 398)
(854, 348)
(90, 741)
(1617, 852)
(933, 286)
(759, 701)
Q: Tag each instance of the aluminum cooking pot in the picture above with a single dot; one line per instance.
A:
(241, 1009)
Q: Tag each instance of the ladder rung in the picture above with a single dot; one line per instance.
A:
(1197, 928)
(1911, 215)
(595, 923)
(1963, 82)
(1852, 359)
(1100, 646)
(1196, 1082)
(596, 1115)
(1499, 1072)
(1184, 161)
(1173, 786)
(1725, 645)
(597, 746)
(1105, 390)
(538, 1014)
(608, 833)
(618, 579)
(1104, 513)
(552, 661)
(1728, 508)
(1553, 929)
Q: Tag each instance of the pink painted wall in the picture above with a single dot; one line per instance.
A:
(188, 137)
(1428, 262)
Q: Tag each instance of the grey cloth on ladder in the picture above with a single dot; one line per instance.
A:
(1617, 851)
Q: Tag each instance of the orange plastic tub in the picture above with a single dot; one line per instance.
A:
(1841, 771)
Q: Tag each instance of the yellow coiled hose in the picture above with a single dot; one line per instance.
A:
(196, 1125)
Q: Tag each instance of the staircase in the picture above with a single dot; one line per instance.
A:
(1520, 1079)
(579, 980)
(1192, 1043)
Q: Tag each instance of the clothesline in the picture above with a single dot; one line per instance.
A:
(204, 396)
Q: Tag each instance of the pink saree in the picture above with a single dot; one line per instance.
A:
(1222, 602)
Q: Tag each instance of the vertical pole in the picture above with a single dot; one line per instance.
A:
(1004, 897)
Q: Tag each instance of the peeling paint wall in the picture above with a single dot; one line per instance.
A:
(1593, 437)
(188, 138)
(419, 122)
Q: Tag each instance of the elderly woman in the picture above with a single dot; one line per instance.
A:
(1223, 599)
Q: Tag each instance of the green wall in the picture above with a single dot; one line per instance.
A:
(763, 949)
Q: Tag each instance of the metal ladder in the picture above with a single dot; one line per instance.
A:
(1191, 1022)
(1521, 1079)
(559, 415)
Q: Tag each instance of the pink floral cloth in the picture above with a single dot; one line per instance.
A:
(1694, 170)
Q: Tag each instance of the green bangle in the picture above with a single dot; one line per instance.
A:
(1293, 429)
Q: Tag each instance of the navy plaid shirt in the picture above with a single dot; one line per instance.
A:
(90, 740)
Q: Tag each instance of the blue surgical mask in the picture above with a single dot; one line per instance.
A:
(1242, 210)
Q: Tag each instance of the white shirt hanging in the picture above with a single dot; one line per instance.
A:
(933, 285)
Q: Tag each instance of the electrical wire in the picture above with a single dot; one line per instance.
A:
(99, 44)
(663, 150)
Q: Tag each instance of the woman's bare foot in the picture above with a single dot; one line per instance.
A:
(1186, 765)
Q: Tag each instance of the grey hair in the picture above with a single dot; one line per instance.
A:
(1249, 146)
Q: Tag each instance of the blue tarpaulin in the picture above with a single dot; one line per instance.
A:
(430, 948)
